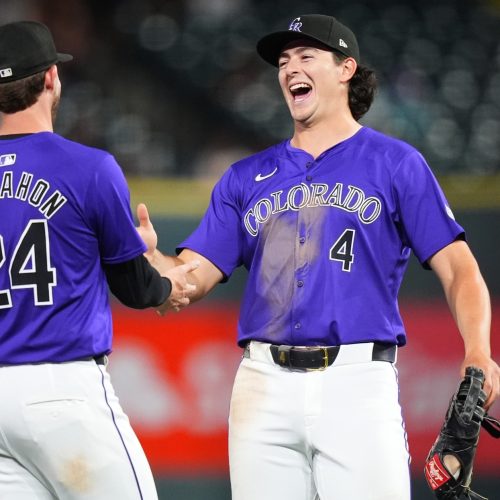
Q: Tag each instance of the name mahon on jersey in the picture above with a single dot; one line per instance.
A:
(36, 193)
(316, 195)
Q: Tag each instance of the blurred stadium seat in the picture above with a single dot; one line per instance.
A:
(164, 84)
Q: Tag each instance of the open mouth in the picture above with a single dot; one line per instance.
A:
(300, 91)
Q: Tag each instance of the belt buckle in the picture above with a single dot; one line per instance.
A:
(325, 360)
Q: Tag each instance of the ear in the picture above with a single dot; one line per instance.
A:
(51, 77)
(349, 67)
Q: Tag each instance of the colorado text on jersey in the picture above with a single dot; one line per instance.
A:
(316, 195)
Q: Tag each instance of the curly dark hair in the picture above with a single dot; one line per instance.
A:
(362, 88)
(21, 94)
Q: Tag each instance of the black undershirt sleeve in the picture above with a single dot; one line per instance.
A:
(137, 284)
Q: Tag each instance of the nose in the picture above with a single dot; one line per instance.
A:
(292, 66)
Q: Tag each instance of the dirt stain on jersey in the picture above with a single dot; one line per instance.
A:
(311, 225)
(290, 244)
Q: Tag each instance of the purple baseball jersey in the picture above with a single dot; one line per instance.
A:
(65, 211)
(326, 241)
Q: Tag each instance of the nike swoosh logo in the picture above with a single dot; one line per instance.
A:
(259, 177)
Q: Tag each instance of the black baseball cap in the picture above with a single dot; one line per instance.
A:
(26, 47)
(320, 28)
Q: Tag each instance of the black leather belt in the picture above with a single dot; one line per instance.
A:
(319, 358)
(101, 360)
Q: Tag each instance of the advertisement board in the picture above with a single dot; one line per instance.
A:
(174, 376)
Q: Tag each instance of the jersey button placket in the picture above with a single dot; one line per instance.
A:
(298, 301)
(300, 263)
(309, 164)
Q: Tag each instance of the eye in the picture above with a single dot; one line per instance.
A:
(282, 63)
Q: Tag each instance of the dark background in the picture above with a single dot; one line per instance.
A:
(175, 87)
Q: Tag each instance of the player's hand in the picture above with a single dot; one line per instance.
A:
(182, 290)
(491, 372)
(146, 231)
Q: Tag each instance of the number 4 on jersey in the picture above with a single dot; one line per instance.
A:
(342, 251)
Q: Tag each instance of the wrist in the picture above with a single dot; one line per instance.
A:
(477, 351)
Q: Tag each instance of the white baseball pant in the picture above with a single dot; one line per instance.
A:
(336, 434)
(63, 435)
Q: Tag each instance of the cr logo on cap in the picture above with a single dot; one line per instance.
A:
(295, 25)
(4, 73)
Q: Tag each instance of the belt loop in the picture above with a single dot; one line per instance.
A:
(284, 355)
(325, 358)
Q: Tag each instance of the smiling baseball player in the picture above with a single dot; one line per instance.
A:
(325, 223)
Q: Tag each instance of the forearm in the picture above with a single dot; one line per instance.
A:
(163, 263)
(205, 277)
(469, 302)
(137, 284)
(467, 296)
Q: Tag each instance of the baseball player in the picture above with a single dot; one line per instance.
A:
(66, 232)
(325, 223)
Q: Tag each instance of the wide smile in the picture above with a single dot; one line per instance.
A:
(300, 91)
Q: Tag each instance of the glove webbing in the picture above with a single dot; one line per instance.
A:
(492, 425)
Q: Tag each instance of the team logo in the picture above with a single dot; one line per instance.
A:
(342, 43)
(259, 177)
(295, 25)
(5, 72)
(435, 473)
(6, 160)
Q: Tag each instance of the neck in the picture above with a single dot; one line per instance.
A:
(28, 121)
(318, 137)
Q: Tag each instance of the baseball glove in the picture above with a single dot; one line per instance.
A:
(448, 467)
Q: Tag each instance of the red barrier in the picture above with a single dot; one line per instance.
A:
(174, 377)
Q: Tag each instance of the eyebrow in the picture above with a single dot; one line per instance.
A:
(299, 48)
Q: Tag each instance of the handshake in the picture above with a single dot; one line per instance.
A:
(178, 270)
(182, 292)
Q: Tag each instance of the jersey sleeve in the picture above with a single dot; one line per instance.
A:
(219, 236)
(108, 208)
(423, 210)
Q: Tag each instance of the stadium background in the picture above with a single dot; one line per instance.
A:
(175, 91)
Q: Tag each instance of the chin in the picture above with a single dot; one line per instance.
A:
(301, 117)
(301, 113)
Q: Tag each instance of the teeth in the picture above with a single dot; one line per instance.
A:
(298, 86)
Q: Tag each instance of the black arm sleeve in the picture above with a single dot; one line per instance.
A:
(137, 284)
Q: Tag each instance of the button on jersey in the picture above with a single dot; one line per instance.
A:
(325, 241)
